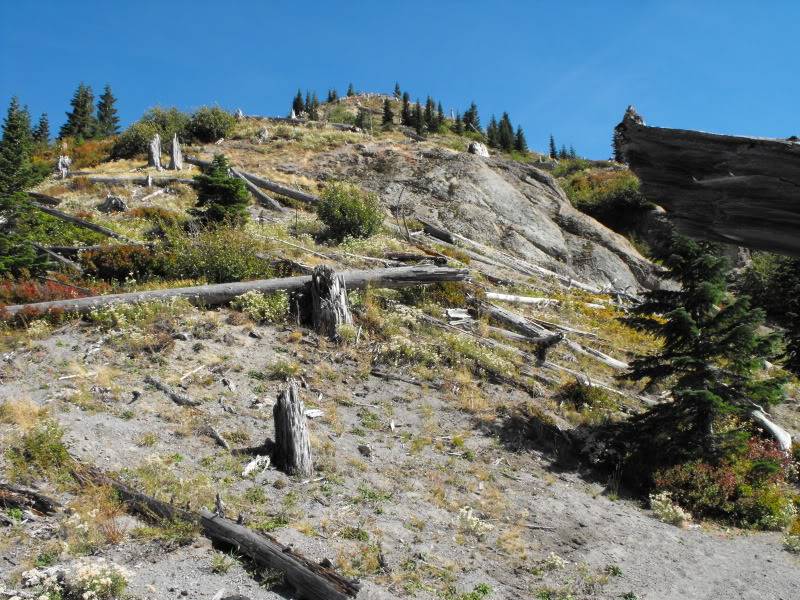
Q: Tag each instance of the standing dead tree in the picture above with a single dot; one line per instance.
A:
(175, 155)
(292, 452)
(329, 301)
(154, 152)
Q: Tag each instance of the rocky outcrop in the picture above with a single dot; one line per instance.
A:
(502, 203)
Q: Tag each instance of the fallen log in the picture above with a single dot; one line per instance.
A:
(413, 257)
(779, 434)
(310, 580)
(175, 396)
(292, 450)
(44, 199)
(58, 258)
(262, 198)
(146, 181)
(81, 222)
(222, 293)
(217, 437)
(12, 496)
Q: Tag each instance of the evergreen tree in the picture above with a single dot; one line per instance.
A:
(439, 115)
(458, 127)
(332, 96)
(81, 122)
(505, 133)
(351, 91)
(572, 153)
(520, 144)
(313, 112)
(297, 104)
(41, 133)
(492, 133)
(471, 119)
(616, 147)
(107, 118)
(563, 152)
(418, 118)
(307, 103)
(397, 92)
(388, 114)
(552, 147)
(16, 147)
(430, 114)
(714, 358)
(406, 118)
(223, 196)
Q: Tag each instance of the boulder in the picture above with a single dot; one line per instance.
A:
(113, 204)
(478, 149)
(263, 136)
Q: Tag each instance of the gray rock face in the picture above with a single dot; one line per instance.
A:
(478, 149)
(505, 204)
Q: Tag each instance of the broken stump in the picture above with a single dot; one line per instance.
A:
(292, 452)
(328, 301)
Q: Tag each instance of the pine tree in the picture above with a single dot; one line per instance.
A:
(439, 115)
(223, 196)
(572, 153)
(505, 133)
(388, 114)
(297, 103)
(459, 124)
(492, 133)
(307, 103)
(397, 92)
(41, 133)
(520, 144)
(553, 152)
(313, 113)
(16, 146)
(107, 118)
(714, 358)
(563, 152)
(471, 119)
(81, 122)
(430, 114)
(406, 118)
(418, 118)
(616, 147)
(351, 91)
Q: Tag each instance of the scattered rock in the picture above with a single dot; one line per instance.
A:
(263, 136)
(478, 149)
(113, 204)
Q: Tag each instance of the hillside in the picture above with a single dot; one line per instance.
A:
(446, 456)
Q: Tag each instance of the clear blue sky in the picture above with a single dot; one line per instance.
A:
(569, 68)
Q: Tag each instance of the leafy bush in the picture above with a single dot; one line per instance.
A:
(209, 124)
(263, 308)
(165, 122)
(348, 211)
(89, 153)
(121, 262)
(593, 404)
(134, 140)
(611, 197)
(667, 511)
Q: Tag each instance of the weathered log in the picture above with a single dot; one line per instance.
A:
(413, 257)
(45, 199)
(58, 258)
(281, 262)
(145, 181)
(779, 434)
(724, 188)
(222, 293)
(310, 580)
(154, 152)
(217, 437)
(175, 155)
(329, 301)
(292, 453)
(265, 184)
(81, 222)
(521, 299)
(174, 395)
(12, 496)
(263, 199)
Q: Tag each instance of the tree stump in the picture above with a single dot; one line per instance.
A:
(328, 301)
(175, 155)
(154, 152)
(292, 446)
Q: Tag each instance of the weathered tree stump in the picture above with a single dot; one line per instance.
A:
(328, 301)
(292, 446)
(113, 204)
(64, 163)
(175, 155)
(154, 152)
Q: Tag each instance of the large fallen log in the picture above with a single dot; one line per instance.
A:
(222, 293)
(724, 188)
(12, 496)
(44, 199)
(81, 222)
(310, 580)
(779, 434)
(140, 180)
(262, 198)
(266, 184)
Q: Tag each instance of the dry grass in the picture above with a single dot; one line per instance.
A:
(22, 413)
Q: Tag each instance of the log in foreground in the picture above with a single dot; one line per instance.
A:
(310, 580)
(724, 188)
(222, 293)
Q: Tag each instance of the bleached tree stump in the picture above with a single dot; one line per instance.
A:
(154, 152)
(328, 301)
(175, 155)
(292, 446)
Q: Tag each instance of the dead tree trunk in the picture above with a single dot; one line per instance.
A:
(154, 152)
(328, 301)
(263, 199)
(292, 452)
(175, 155)
(81, 222)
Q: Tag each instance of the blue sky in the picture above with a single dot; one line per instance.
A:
(569, 68)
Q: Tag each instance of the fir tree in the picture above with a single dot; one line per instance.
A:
(307, 103)
(223, 196)
(505, 133)
(471, 119)
(81, 122)
(41, 133)
(430, 114)
(397, 92)
(616, 147)
(439, 115)
(458, 127)
(297, 103)
(107, 118)
(351, 91)
(714, 358)
(16, 147)
(552, 147)
(563, 153)
(418, 118)
(406, 118)
(572, 153)
(333, 96)
(313, 112)
(520, 144)
(388, 114)
(492, 137)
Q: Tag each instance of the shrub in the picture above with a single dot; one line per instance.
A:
(209, 124)
(223, 196)
(165, 122)
(90, 153)
(348, 211)
(121, 262)
(611, 197)
(263, 308)
(134, 140)
(39, 452)
(792, 543)
(593, 403)
(667, 511)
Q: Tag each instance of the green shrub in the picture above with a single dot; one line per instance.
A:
(594, 404)
(134, 140)
(209, 124)
(165, 122)
(611, 197)
(348, 211)
(121, 262)
(263, 308)
(222, 197)
(37, 453)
